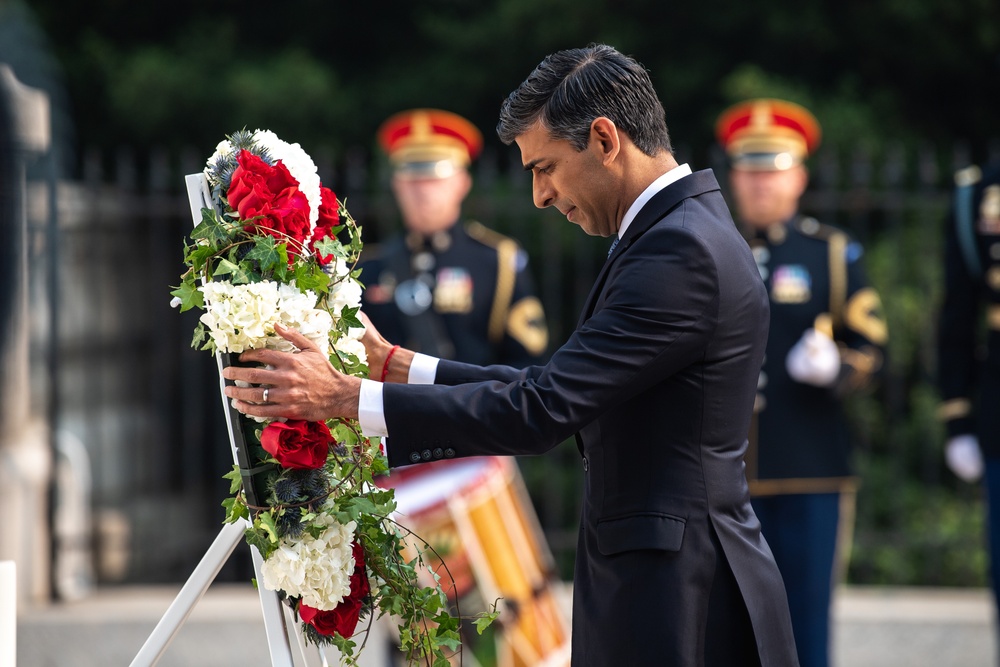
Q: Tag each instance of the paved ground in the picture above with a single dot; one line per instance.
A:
(874, 627)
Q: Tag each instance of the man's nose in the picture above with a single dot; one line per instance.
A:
(541, 193)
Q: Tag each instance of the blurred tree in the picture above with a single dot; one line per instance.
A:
(334, 70)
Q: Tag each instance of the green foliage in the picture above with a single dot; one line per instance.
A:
(153, 85)
(485, 619)
(916, 525)
(846, 116)
(160, 76)
(914, 533)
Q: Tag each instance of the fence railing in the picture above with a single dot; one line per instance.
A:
(146, 405)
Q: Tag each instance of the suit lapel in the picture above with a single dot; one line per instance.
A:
(662, 203)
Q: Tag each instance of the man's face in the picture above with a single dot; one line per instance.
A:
(575, 182)
(764, 198)
(430, 205)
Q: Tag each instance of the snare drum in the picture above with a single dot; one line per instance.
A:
(476, 514)
(422, 494)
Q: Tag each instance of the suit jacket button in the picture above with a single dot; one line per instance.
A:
(586, 464)
(449, 453)
(426, 455)
(415, 457)
(438, 453)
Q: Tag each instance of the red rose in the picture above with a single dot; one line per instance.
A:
(297, 443)
(269, 193)
(329, 217)
(342, 619)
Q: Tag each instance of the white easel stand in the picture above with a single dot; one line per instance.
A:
(278, 624)
(8, 613)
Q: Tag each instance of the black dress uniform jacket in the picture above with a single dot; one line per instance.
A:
(464, 293)
(657, 382)
(968, 363)
(799, 442)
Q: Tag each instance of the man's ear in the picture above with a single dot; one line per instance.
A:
(605, 138)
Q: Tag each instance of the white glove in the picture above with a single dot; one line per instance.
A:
(814, 360)
(963, 456)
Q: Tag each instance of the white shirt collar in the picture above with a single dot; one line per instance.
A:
(663, 181)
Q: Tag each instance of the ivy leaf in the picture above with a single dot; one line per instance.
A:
(281, 266)
(265, 253)
(239, 274)
(266, 522)
(225, 267)
(201, 339)
(330, 246)
(359, 506)
(349, 319)
(259, 539)
(235, 509)
(235, 479)
(198, 255)
(211, 228)
(311, 277)
(189, 294)
(485, 619)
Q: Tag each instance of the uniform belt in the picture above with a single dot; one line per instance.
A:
(993, 316)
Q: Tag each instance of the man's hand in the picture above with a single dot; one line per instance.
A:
(378, 349)
(300, 385)
(814, 360)
(964, 458)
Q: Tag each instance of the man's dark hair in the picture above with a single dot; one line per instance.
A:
(569, 89)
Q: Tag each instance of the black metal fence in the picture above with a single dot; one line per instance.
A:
(146, 405)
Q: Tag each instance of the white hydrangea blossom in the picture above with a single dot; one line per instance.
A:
(316, 569)
(242, 317)
(345, 292)
(351, 344)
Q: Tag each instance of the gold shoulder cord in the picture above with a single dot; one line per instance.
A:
(506, 270)
(506, 249)
(956, 408)
(838, 278)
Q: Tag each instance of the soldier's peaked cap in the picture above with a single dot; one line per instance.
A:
(429, 142)
(767, 134)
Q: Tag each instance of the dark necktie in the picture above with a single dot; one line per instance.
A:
(612, 248)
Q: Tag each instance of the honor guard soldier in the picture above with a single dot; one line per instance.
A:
(968, 352)
(448, 288)
(826, 339)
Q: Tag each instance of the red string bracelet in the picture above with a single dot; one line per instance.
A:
(385, 368)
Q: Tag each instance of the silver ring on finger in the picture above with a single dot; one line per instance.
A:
(266, 390)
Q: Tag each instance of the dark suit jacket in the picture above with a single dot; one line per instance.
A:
(658, 383)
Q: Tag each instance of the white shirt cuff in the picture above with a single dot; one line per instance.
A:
(423, 369)
(371, 415)
(371, 412)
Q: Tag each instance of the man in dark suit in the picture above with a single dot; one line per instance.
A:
(657, 382)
